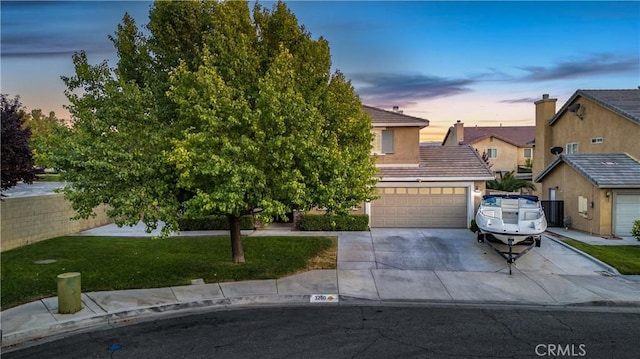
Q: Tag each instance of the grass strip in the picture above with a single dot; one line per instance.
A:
(116, 263)
(626, 259)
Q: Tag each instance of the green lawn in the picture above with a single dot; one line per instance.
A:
(626, 259)
(112, 263)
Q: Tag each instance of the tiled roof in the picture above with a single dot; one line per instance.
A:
(455, 163)
(623, 102)
(381, 118)
(519, 136)
(616, 170)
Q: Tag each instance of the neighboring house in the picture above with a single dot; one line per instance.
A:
(509, 148)
(597, 175)
(422, 186)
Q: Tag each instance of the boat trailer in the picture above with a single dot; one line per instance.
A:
(510, 252)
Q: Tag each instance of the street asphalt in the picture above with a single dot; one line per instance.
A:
(382, 266)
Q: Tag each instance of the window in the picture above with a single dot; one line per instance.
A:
(572, 148)
(596, 140)
(527, 153)
(582, 206)
(492, 153)
(387, 141)
(376, 143)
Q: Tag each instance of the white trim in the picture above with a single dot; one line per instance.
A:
(398, 124)
(398, 165)
(367, 211)
(470, 187)
(424, 184)
(614, 209)
(434, 179)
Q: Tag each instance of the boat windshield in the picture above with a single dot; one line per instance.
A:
(492, 201)
(498, 202)
(527, 203)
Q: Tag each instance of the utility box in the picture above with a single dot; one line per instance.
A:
(69, 291)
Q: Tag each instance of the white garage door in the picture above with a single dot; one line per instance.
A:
(627, 210)
(444, 207)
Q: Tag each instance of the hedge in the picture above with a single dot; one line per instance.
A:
(213, 223)
(325, 222)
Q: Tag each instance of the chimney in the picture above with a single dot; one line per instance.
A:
(545, 110)
(397, 109)
(458, 130)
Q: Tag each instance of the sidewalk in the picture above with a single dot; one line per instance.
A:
(593, 239)
(365, 284)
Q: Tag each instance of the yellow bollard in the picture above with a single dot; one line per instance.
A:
(69, 292)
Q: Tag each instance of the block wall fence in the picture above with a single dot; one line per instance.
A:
(25, 220)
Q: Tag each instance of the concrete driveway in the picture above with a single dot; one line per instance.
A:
(452, 250)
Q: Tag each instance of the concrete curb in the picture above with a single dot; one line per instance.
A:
(34, 336)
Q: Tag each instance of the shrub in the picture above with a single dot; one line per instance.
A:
(635, 230)
(209, 223)
(332, 222)
(474, 226)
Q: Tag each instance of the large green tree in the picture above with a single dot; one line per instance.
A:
(216, 110)
(47, 133)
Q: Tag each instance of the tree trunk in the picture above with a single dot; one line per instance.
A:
(236, 240)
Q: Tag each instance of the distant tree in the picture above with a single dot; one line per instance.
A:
(47, 133)
(16, 157)
(509, 183)
(485, 157)
(216, 111)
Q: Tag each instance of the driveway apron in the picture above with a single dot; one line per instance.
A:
(429, 249)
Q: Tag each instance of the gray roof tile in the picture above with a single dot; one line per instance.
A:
(380, 117)
(616, 170)
(622, 102)
(447, 163)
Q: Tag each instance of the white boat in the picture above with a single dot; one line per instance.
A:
(511, 224)
(511, 218)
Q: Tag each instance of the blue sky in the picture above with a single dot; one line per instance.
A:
(483, 63)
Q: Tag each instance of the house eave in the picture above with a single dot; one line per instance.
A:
(618, 186)
(435, 179)
(586, 95)
(398, 124)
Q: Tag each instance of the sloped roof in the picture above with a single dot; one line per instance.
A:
(440, 163)
(617, 170)
(520, 136)
(623, 102)
(382, 118)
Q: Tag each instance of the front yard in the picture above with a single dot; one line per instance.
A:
(626, 259)
(114, 263)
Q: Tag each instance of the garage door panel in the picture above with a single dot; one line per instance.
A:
(420, 207)
(627, 210)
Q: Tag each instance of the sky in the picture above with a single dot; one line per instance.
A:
(483, 63)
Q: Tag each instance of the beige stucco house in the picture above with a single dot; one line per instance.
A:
(422, 186)
(597, 175)
(509, 148)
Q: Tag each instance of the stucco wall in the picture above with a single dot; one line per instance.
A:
(406, 142)
(508, 154)
(619, 134)
(571, 185)
(31, 219)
